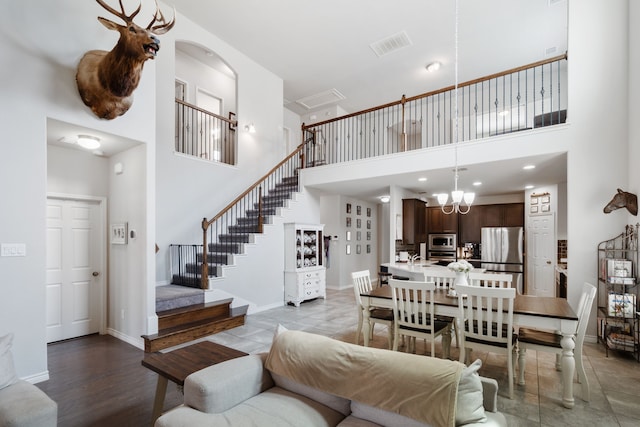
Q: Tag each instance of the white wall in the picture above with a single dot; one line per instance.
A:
(39, 58)
(180, 208)
(333, 215)
(76, 172)
(197, 75)
(596, 166)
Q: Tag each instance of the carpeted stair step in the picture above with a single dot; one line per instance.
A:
(227, 248)
(234, 238)
(174, 296)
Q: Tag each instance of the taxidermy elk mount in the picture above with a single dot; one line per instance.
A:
(106, 80)
(623, 199)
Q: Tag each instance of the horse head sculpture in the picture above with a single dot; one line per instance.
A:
(106, 80)
(623, 199)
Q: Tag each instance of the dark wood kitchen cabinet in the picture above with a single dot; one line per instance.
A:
(500, 215)
(413, 222)
(440, 222)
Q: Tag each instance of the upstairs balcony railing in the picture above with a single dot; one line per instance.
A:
(203, 134)
(522, 98)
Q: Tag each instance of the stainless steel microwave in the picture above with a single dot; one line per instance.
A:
(442, 242)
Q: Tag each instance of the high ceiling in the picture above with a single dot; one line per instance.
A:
(320, 48)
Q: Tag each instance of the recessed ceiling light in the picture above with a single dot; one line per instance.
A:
(527, 167)
(477, 183)
(422, 179)
(434, 66)
(528, 187)
(384, 199)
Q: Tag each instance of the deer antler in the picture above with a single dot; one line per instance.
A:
(122, 15)
(164, 26)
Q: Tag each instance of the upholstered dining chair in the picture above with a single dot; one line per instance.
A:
(492, 280)
(362, 283)
(443, 279)
(540, 340)
(413, 310)
(486, 316)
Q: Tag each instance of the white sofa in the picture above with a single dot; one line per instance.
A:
(22, 404)
(311, 380)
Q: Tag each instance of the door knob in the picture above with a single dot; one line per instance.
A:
(95, 274)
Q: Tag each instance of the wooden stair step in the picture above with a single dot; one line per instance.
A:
(191, 331)
(194, 313)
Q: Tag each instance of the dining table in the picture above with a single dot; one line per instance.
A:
(528, 311)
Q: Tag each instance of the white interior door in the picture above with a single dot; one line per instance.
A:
(73, 279)
(541, 256)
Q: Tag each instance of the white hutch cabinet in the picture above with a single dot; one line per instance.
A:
(304, 270)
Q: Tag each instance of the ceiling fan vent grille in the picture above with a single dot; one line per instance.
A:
(391, 44)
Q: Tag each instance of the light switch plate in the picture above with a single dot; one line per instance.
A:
(13, 249)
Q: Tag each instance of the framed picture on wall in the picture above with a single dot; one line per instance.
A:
(348, 249)
(358, 223)
(368, 224)
(358, 235)
(545, 199)
(368, 235)
(348, 236)
(545, 208)
(534, 209)
(358, 249)
(348, 208)
(534, 200)
(368, 211)
(348, 221)
(358, 210)
(368, 249)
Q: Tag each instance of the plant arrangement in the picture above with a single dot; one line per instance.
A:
(461, 266)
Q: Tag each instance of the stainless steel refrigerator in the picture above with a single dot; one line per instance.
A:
(502, 251)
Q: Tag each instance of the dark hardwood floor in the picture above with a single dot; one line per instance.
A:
(98, 380)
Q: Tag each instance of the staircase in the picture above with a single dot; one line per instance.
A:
(230, 243)
(183, 315)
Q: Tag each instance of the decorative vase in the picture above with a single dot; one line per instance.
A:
(461, 278)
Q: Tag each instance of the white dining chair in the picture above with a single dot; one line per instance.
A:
(361, 284)
(413, 310)
(486, 316)
(443, 279)
(492, 280)
(549, 341)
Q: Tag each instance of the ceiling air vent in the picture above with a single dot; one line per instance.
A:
(391, 43)
(320, 99)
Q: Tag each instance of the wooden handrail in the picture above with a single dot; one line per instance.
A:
(206, 224)
(404, 100)
(232, 122)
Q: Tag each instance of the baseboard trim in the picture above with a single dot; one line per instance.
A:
(37, 378)
(136, 342)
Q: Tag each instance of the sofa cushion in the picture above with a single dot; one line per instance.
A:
(353, 421)
(334, 402)
(330, 365)
(25, 405)
(275, 407)
(7, 370)
(382, 417)
(469, 408)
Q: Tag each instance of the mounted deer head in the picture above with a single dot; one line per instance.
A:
(623, 199)
(106, 80)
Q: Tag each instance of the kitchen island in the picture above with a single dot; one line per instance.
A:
(417, 269)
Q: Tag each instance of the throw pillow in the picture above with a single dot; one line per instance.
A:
(7, 370)
(470, 408)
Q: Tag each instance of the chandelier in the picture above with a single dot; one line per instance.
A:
(457, 196)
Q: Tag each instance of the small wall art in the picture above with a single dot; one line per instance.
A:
(358, 223)
(358, 235)
(348, 208)
(358, 210)
(358, 249)
(368, 211)
(119, 233)
(348, 221)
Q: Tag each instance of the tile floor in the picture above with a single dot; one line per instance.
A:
(614, 381)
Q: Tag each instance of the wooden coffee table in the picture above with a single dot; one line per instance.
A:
(178, 364)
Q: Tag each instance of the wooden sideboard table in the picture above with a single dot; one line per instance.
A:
(178, 364)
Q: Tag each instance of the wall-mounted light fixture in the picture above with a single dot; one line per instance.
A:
(250, 128)
(89, 142)
(434, 66)
(385, 199)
